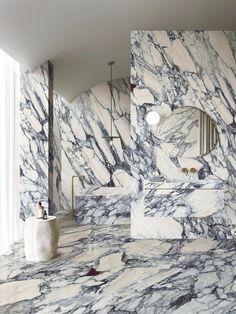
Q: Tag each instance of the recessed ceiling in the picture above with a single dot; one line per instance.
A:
(81, 36)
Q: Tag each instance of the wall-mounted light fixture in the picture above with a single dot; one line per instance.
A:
(152, 118)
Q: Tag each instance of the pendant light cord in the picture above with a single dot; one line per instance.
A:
(111, 63)
(111, 86)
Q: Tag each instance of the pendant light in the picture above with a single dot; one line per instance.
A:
(153, 118)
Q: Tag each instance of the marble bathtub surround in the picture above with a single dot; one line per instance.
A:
(135, 276)
(103, 205)
(170, 71)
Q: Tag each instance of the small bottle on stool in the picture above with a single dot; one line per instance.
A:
(45, 216)
(39, 210)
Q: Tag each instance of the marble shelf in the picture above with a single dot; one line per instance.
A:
(200, 184)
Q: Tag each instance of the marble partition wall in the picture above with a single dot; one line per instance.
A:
(170, 70)
(56, 160)
(33, 139)
(39, 142)
(54, 144)
(86, 152)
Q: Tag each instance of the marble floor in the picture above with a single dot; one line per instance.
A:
(132, 276)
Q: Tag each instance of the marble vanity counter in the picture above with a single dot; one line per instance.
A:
(198, 184)
(183, 199)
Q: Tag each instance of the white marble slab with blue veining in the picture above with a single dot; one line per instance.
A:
(193, 185)
(177, 69)
(86, 148)
(34, 150)
(103, 205)
(135, 276)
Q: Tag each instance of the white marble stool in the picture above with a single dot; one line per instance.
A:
(41, 238)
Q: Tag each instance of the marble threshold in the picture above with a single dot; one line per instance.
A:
(132, 276)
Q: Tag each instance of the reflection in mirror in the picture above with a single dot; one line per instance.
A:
(187, 132)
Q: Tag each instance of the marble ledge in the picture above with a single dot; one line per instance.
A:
(105, 191)
(198, 184)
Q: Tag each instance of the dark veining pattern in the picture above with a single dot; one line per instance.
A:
(33, 139)
(171, 70)
(132, 276)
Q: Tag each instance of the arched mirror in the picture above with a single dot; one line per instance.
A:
(187, 132)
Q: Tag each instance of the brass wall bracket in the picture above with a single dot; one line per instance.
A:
(185, 170)
(193, 170)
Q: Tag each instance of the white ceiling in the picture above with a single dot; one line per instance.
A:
(81, 36)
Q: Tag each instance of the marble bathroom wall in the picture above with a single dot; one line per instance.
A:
(54, 144)
(33, 139)
(86, 152)
(56, 162)
(39, 142)
(170, 70)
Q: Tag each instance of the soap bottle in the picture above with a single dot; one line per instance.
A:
(39, 213)
(45, 216)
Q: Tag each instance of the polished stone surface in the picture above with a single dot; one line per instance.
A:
(182, 199)
(170, 71)
(33, 136)
(135, 276)
(86, 148)
(103, 205)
